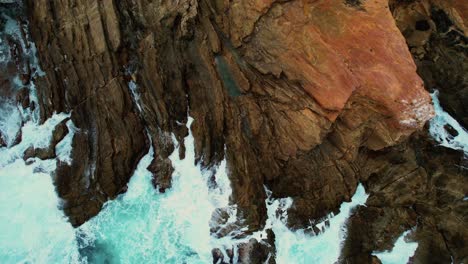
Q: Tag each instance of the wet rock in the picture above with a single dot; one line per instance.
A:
(162, 174)
(32, 106)
(218, 256)
(375, 260)
(220, 227)
(83, 77)
(18, 137)
(22, 97)
(41, 153)
(60, 131)
(230, 255)
(2, 141)
(25, 78)
(415, 194)
(255, 252)
(452, 131)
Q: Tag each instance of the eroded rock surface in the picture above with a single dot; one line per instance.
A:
(305, 97)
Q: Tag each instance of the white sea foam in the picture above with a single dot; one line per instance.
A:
(401, 252)
(440, 134)
(32, 227)
(301, 247)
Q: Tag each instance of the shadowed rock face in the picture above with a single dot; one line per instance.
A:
(299, 96)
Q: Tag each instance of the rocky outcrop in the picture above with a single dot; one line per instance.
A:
(289, 88)
(2, 141)
(84, 76)
(305, 97)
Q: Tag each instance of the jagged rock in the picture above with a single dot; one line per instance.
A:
(220, 227)
(451, 130)
(376, 260)
(411, 187)
(84, 77)
(2, 141)
(230, 255)
(41, 153)
(22, 97)
(162, 173)
(254, 252)
(60, 131)
(18, 137)
(218, 256)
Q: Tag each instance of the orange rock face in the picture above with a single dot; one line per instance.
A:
(335, 52)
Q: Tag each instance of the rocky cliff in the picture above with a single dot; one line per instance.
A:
(307, 98)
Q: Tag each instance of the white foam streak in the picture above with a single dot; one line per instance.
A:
(440, 134)
(38, 136)
(401, 252)
(10, 122)
(300, 247)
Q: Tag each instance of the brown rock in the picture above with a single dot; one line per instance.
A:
(41, 153)
(218, 256)
(22, 97)
(162, 174)
(2, 141)
(60, 131)
(230, 255)
(82, 76)
(18, 137)
(305, 97)
(254, 252)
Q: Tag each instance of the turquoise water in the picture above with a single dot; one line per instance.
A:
(32, 228)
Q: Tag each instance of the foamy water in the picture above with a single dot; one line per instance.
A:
(32, 227)
(440, 134)
(300, 246)
(401, 252)
(145, 226)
